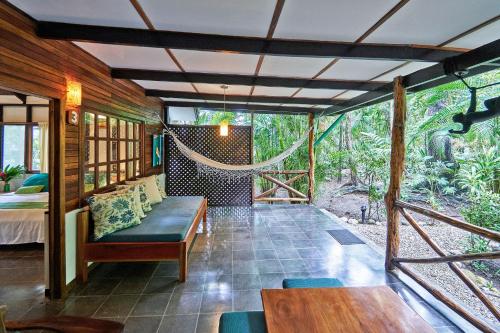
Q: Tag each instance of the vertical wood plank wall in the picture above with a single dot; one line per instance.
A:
(41, 67)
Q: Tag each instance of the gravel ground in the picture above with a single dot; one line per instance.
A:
(449, 238)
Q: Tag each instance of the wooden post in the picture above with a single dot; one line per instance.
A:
(397, 167)
(311, 158)
(252, 120)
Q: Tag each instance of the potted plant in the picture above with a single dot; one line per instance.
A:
(8, 173)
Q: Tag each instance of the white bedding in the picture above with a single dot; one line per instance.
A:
(18, 226)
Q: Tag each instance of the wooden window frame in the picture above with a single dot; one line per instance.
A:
(135, 138)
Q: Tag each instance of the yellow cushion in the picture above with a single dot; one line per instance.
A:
(151, 188)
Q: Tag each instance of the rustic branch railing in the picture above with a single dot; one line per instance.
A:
(287, 185)
(443, 258)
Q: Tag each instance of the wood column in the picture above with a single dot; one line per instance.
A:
(57, 204)
(311, 157)
(397, 168)
(252, 121)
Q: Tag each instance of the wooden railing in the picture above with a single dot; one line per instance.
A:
(294, 194)
(402, 207)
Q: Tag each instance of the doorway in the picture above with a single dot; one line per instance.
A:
(25, 196)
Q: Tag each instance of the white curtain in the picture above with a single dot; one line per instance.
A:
(44, 146)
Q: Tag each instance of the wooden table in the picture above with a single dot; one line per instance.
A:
(319, 310)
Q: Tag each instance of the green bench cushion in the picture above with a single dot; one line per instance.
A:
(242, 322)
(312, 283)
(169, 221)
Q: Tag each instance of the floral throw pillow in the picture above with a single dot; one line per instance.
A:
(113, 213)
(137, 197)
(143, 196)
(160, 182)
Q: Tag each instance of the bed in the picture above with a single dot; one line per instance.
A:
(22, 217)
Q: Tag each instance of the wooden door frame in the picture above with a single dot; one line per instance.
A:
(57, 208)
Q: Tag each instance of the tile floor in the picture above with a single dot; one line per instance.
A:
(245, 250)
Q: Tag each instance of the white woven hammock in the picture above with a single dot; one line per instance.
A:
(207, 166)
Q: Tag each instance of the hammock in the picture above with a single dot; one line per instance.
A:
(210, 167)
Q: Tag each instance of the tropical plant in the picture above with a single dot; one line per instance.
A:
(11, 172)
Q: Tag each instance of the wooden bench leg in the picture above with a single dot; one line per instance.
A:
(205, 217)
(183, 264)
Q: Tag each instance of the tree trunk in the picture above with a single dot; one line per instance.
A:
(348, 146)
(397, 168)
(341, 134)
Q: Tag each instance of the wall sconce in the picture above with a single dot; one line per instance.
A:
(73, 101)
(224, 128)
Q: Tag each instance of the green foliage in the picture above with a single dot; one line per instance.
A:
(483, 212)
(10, 172)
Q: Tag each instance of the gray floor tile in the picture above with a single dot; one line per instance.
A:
(293, 265)
(246, 282)
(219, 282)
(83, 306)
(151, 305)
(245, 267)
(216, 302)
(184, 303)
(142, 324)
(208, 323)
(272, 280)
(117, 306)
(265, 254)
(178, 324)
(269, 266)
(247, 300)
(161, 285)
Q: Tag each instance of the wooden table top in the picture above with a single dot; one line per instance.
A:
(319, 310)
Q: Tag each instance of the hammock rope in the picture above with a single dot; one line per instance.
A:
(207, 166)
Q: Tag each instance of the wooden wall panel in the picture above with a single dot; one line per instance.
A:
(42, 67)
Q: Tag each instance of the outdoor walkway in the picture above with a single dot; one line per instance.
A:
(246, 249)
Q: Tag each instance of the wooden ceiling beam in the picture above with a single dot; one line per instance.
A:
(257, 108)
(248, 80)
(241, 98)
(477, 61)
(238, 44)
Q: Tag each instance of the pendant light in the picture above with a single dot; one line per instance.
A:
(224, 125)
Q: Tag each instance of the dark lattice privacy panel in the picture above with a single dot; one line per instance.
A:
(182, 174)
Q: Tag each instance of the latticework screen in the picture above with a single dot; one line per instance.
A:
(182, 174)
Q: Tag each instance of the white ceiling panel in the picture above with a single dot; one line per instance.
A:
(488, 34)
(9, 99)
(318, 93)
(350, 94)
(292, 66)
(354, 69)
(116, 13)
(36, 100)
(273, 91)
(235, 17)
(209, 88)
(433, 22)
(405, 70)
(162, 85)
(130, 56)
(216, 62)
(340, 20)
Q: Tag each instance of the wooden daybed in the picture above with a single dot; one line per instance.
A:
(166, 233)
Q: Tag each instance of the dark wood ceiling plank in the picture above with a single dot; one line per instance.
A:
(480, 60)
(240, 98)
(257, 108)
(248, 45)
(268, 81)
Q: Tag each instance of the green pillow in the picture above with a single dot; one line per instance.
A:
(143, 196)
(113, 213)
(29, 189)
(38, 179)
